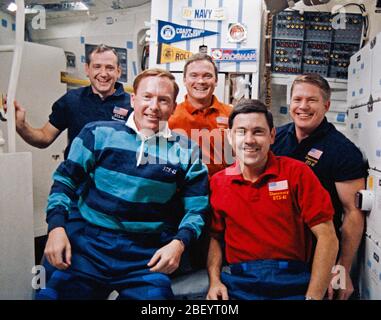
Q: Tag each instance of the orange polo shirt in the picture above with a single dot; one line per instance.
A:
(208, 128)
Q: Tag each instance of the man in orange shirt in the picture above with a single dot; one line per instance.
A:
(205, 120)
(201, 116)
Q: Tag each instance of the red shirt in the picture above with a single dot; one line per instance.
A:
(213, 121)
(270, 218)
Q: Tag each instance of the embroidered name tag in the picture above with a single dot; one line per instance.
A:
(278, 190)
(119, 114)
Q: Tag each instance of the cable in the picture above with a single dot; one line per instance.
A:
(365, 19)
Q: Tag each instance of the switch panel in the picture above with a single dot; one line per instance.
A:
(315, 42)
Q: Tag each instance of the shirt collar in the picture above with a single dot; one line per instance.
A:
(192, 110)
(322, 129)
(271, 169)
(164, 132)
(119, 90)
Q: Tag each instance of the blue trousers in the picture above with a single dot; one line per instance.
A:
(74, 224)
(267, 280)
(105, 260)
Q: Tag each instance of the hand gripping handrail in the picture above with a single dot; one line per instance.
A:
(15, 71)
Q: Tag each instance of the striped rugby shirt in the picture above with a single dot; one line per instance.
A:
(135, 184)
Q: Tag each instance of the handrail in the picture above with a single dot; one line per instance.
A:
(15, 71)
(65, 78)
(7, 48)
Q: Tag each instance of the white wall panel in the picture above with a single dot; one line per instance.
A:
(16, 226)
(371, 275)
(7, 34)
(38, 87)
(359, 77)
(376, 70)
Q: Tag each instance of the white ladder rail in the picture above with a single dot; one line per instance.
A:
(15, 71)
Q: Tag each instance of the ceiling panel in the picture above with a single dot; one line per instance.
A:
(94, 5)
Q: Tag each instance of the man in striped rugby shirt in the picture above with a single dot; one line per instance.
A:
(145, 200)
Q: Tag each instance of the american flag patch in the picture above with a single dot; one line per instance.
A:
(120, 111)
(222, 120)
(278, 185)
(315, 153)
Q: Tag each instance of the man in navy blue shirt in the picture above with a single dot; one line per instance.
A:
(336, 161)
(104, 99)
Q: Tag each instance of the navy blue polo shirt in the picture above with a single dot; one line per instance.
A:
(81, 106)
(332, 156)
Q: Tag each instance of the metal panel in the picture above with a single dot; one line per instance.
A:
(16, 226)
(376, 70)
(38, 87)
(353, 125)
(371, 275)
(373, 220)
(359, 77)
(368, 124)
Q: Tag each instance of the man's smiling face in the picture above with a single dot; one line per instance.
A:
(103, 71)
(200, 81)
(307, 107)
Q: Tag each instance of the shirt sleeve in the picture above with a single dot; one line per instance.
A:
(68, 176)
(59, 115)
(313, 201)
(349, 164)
(195, 198)
(217, 224)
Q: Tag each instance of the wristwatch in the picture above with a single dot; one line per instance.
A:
(309, 298)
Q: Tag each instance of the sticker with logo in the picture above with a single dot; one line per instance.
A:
(222, 122)
(237, 32)
(278, 190)
(313, 157)
(119, 114)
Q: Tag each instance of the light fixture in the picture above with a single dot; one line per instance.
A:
(81, 6)
(12, 7)
(315, 2)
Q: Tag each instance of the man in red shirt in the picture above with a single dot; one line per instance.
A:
(267, 208)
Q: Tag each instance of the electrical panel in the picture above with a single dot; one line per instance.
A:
(316, 57)
(287, 57)
(339, 59)
(289, 25)
(348, 28)
(315, 42)
(318, 26)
